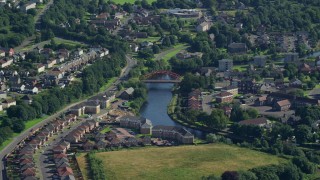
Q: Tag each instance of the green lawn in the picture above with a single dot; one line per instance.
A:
(67, 42)
(108, 84)
(166, 55)
(28, 125)
(131, 1)
(149, 39)
(105, 130)
(180, 162)
(240, 67)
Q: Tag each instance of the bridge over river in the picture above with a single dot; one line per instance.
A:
(155, 77)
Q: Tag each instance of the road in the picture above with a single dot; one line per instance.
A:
(126, 21)
(44, 160)
(10, 147)
(30, 39)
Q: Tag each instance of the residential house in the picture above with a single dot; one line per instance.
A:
(237, 48)
(51, 63)
(230, 89)
(6, 62)
(283, 105)
(294, 100)
(224, 97)
(28, 6)
(40, 68)
(64, 53)
(77, 110)
(29, 89)
(78, 52)
(225, 65)
(8, 103)
(60, 59)
(296, 83)
(126, 94)
(204, 26)
(261, 122)
(186, 55)
(102, 144)
(144, 124)
(104, 100)
(29, 172)
(146, 44)
(118, 15)
(55, 74)
(64, 171)
(27, 99)
(261, 101)
(88, 146)
(179, 134)
(92, 107)
(195, 100)
(227, 110)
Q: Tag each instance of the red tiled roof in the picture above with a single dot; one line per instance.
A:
(65, 171)
(283, 102)
(29, 172)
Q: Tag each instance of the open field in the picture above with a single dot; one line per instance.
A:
(131, 1)
(181, 162)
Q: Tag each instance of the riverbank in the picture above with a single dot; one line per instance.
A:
(173, 115)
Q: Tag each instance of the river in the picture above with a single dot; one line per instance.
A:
(159, 97)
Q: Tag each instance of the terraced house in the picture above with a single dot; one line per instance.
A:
(174, 133)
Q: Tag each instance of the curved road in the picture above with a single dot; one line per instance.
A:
(9, 148)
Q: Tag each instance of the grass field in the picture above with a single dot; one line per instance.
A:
(131, 1)
(168, 54)
(181, 162)
(28, 124)
(105, 130)
(240, 68)
(149, 39)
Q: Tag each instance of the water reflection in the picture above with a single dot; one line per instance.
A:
(159, 97)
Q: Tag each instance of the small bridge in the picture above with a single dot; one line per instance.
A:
(149, 78)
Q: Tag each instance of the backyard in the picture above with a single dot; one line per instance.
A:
(171, 163)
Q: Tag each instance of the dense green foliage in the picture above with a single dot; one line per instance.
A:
(15, 26)
(67, 11)
(96, 167)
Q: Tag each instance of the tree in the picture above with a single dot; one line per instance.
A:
(155, 49)
(247, 175)
(217, 120)
(230, 175)
(302, 133)
(166, 41)
(18, 125)
(291, 172)
(305, 166)
(253, 113)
